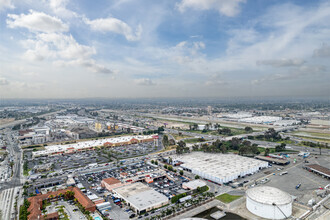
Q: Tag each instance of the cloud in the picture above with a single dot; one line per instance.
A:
(145, 82)
(6, 4)
(228, 8)
(324, 51)
(281, 62)
(37, 22)
(64, 50)
(216, 80)
(116, 26)
(3, 81)
(59, 8)
(312, 72)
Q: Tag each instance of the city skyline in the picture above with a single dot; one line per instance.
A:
(182, 48)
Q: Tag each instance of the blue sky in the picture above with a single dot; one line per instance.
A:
(165, 48)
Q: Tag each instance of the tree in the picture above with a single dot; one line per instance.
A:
(197, 177)
(281, 147)
(166, 141)
(267, 151)
(181, 148)
(195, 147)
(223, 149)
(235, 142)
(272, 134)
(248, 129)
(160, 130)
(195, 126)
(181, 172)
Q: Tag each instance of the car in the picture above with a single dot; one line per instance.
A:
(132, 216)
(146, 214)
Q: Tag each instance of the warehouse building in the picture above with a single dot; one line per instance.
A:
(192, 185)
(140, 197)
(315, 168)
(219, 168)
(273, 160)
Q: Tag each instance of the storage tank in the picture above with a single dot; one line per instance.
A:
(269, 202)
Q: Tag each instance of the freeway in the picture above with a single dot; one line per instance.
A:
(211, 138)
(17, 122)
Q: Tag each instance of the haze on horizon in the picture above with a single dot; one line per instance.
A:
(167, 48)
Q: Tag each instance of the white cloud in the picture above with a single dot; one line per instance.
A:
(37, 22)
(3, 81)
(145, 82)
(6, 4)
(281, 62)
(324, 51)
(59, 8)
(64, 50)
(115, 25)
(225, 7)
(310, 72)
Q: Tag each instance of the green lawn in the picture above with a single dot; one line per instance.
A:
(179, 137)
(192, 140)
(234, 131)
(26, 172)
(226, 198)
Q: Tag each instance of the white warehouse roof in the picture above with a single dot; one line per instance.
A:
(194, 184)
(220, 168)
(269, 195)
(141, 196)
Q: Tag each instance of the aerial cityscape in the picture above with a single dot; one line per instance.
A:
(169, 109)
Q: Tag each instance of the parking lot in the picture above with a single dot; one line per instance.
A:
(296, 174)
(133, 150)
(168, 183)
(68, 161)
(84, 159)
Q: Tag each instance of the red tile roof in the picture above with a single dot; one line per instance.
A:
(36, 201)
(111, 181)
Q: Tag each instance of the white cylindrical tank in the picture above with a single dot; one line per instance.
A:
(269, 202)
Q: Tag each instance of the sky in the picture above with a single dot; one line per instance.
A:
(164, 48)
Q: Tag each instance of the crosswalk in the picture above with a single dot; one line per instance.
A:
(7, 200)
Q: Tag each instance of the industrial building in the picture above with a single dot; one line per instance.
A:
(261, 119)
(140, 197)
(277, 161)
(219, 168)
(192, 185)
(315, 168)
(269, 202)
(88, 145)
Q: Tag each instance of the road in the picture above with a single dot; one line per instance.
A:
(10, 188)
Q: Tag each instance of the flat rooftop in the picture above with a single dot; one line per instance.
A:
(221, 166)
(319, 169)
(141, 196)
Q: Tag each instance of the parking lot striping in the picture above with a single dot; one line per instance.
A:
(320, 184)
